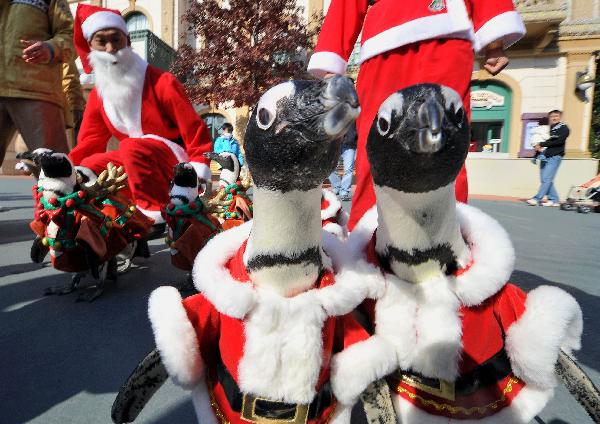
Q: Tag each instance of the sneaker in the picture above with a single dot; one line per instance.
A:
(550, 203)
(532, 202)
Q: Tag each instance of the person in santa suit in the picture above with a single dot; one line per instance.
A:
(145, 108)
(411, 42)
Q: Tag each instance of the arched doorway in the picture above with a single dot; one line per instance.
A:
(491, 105)
(214, 121)
(137, 21)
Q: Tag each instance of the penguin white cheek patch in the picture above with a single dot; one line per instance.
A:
(266, 110)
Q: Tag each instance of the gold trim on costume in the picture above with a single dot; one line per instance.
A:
(459, 409)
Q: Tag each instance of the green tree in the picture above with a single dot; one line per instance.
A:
(246, 47)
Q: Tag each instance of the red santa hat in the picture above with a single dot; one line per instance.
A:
(88, 21)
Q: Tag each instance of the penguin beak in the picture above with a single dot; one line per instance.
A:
(211, 155)
(25, 155)
(340, 99)
(430, 118)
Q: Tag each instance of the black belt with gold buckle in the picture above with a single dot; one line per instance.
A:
(485, 374)
(261, 410)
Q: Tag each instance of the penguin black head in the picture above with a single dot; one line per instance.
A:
(230, 166)
(419, 139)
(184, 175)
(35, 155)
(56, 165)
(184, 187)
(57, 175)
(293, 137)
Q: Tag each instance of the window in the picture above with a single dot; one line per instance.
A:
(136, 21)
(214, 122)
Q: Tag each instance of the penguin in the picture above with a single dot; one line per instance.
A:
(456, 341)
(70, 221)
(184, 187)
(292, 142)
(230, 167)
(189, 225)
(271, 311)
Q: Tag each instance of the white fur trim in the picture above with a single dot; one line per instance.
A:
(91, 175)
(359, 365)
(491, 249)
(86, 78)
(212, 278)
(492, 253)
(102, 20)
(334, 205)
(524, 407)
(178, 151)
(202, 406)
(362, 233)
(335, 229)
(175, 337)
(455, 23)
(507, 26)
(155, 215)
(323, 63)
(552, 321)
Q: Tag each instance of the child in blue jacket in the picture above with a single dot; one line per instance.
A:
(227, 143)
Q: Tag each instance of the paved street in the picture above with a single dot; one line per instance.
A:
(62, 362)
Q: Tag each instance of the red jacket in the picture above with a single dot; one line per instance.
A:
(166, 114)
(390, 24)
(272, 347)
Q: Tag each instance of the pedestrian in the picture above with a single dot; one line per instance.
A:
(73, 100)
(226, 142)
(342, 186)
(145, 108)
(36, 39)
(417, 41)
(553, 151)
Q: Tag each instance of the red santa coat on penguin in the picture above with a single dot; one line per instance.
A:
(238, 346)
(468, 347)
(414, 42)
(145, 108)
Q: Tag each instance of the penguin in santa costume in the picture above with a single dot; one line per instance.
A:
(256, 344)
(145, 108)
(455, 341)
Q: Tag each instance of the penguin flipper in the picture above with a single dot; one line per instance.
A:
(144, 381)
(38, 251)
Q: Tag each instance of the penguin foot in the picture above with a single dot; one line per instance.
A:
(61, 290)
(38, 251)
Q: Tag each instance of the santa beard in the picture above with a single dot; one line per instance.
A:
(119, 77)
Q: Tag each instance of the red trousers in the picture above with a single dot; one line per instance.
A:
(444, 61)
(149, 166)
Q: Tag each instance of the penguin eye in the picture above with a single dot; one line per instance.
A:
(264, 118)
(383, 125)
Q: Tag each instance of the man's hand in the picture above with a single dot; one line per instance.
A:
(36, 52)
(495, 58)
(537, 148)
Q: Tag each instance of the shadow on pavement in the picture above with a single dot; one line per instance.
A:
(15, 230)
(10, 197)
(21, 268)
(590, 350)
(60, 348)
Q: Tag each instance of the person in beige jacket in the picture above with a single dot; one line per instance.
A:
(73, 101)
(37, 39)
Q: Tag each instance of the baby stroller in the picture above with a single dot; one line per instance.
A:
(584, 198)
